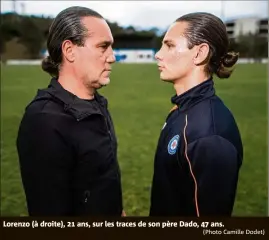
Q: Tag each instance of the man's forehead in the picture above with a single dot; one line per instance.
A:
(98, 28)
(93, 22)
(175, 31)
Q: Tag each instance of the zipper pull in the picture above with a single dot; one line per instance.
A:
(87, 194)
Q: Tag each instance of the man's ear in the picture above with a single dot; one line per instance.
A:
(68, 50)
(202, 54)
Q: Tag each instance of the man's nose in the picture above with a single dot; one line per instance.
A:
(111, 58)
(157, 55)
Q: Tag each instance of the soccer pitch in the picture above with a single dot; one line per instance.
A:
(139, 103)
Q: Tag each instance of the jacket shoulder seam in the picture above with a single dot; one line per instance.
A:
(212, 135)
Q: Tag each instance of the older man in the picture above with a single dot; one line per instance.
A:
(66, 142)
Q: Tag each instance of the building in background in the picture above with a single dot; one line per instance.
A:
(134, 55)
(134, 48)
(246, 25)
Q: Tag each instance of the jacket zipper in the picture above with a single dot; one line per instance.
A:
(82, 116)
(110, 136)
(111, 140)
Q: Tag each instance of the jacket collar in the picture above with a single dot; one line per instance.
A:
(79, 108)
(194, 95)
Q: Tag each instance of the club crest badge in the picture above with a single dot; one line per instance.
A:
(172, 145)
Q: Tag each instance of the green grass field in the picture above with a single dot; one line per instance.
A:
(139, 102)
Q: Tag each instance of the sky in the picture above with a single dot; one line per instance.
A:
(144, 14)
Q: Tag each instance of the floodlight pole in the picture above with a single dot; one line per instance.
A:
(222, 13)
(14, 6)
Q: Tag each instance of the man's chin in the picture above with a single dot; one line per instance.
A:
(104, 82)
(165, 79)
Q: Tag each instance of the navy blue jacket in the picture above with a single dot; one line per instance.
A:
(198, 157)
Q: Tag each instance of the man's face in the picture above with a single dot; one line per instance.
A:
(93, 60)
(175, 60)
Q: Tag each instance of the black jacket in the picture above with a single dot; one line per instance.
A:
(68, 155)
(198, 157)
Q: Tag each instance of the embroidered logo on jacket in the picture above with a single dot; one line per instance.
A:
(172, 145)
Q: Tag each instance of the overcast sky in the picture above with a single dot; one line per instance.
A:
(144, 14)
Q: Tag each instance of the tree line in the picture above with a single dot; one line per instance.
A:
(32, 31)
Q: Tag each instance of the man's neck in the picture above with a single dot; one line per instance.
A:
(184, 84)
(75, 86)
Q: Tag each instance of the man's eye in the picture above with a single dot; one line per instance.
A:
(105, 45)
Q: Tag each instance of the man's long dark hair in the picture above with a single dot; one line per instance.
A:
(66, 26)
(207, 28)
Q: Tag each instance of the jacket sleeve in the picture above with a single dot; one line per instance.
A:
(45, 160)
(215, 167)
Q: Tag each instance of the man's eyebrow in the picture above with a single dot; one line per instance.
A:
(167, 41)
(106, 42)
